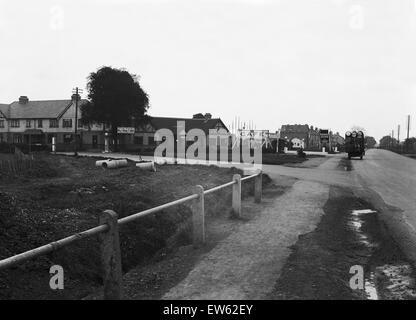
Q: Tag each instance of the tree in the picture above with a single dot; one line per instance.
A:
(370, 142)
(410, 145)
(387, 142)
(114, 98)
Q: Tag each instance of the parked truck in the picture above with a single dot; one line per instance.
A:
(355, 144)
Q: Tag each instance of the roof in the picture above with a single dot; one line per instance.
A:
(39, 109)
(295, 128)
(4, 109)
(171, 123)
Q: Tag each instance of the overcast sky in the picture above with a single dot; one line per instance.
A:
(326, 63)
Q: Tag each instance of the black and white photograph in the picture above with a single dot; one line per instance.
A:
(207, 155)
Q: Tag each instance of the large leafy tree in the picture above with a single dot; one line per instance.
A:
(387, 142)
(410, 145)
(370, 142)
(114, 98)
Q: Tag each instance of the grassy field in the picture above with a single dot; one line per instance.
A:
(65, 195)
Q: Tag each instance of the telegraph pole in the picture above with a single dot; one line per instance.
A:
(392, 139)
(398, 134)
(76, 91)
(408, 126)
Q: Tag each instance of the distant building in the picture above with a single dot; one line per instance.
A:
(337, 141)
(37, 122)
(296, 134)
(308, 138)
(143, 138)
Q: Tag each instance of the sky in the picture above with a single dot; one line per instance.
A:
(328, 63)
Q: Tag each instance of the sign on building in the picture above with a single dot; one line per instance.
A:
(125, 130)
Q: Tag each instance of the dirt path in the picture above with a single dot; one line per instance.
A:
(247, 264)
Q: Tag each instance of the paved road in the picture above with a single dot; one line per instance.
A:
(384, 178)
(390, 180)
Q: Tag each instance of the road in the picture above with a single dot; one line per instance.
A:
(247, 264)
(388, 180)
(384, 178)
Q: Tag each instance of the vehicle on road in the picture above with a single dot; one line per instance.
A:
(354, 144)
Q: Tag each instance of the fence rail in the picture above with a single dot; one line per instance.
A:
(109, 234)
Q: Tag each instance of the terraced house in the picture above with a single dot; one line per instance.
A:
(37, 122)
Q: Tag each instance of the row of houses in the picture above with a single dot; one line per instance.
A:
(310, 138)
(38, 122)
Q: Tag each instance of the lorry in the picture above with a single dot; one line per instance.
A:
(355, 144)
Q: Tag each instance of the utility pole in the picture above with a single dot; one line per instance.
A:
(408, 126)
(392, 139)
(398, 134)
(76, 91)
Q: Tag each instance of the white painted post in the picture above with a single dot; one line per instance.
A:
(53, 144)
(198, 217)
(237, 195)
(106, 144)
(258, 187)
(111, 257)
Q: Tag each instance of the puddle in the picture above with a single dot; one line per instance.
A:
(356, 223)
(389, 276)
(370, 287)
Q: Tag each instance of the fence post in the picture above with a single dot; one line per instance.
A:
(198, 217)
(258, 187)
(111, 257)
(237, 195)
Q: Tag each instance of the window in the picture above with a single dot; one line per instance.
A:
(14, 123)
(1, 123)
(17, 138)
(67, 123)
(68, 138)
(28, 123)
(138, 140)
(40, 123)
(151, 140)
(80, 124)
(53, 123)
(94, 141)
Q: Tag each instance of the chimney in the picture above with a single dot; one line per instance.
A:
(74, 97)
(23, 100)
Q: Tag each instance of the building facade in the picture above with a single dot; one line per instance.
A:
(144, 137)
(38, 122)
(309, 138)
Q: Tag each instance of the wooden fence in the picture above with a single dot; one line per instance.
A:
(16, 164)
(108, 231)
